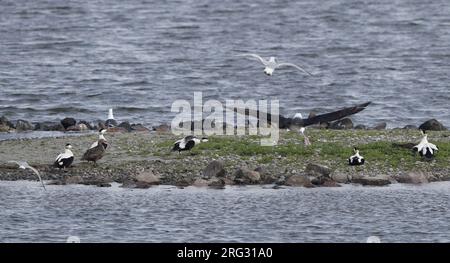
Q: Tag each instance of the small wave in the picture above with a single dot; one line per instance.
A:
(68, 110)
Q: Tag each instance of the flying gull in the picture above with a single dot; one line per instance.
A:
(271, 64)
(25, 165)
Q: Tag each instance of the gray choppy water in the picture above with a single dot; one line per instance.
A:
(78, 58)
(398, 213)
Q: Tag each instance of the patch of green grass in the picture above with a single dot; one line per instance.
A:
(328, 146)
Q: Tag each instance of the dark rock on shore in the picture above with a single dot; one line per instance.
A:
(48, 126)
(5, 122)
(143, 180)
(22, 125)
(214, 169)
(88, 125)
(161, 128)
(217, 183)
(432, 125)
(343, 124)
(410, 127)
(266, 177)
(317, 170)
(360, 127)
(380, 126)
(67, 122)
(139, 128)
(126, 125)
(371, 181)
(111, 123)
(78, 127)
(245, 176)
(341, 178)
(412, 178)
(299, 181)
(116, 129)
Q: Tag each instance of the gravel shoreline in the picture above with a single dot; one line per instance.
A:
(143, 159)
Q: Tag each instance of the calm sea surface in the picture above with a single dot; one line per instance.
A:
(398, 213)
(79, 58)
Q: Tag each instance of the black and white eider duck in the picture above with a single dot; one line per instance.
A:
(101, 136)
(96, 153)
(425, 148)
(111, 122)
(356, 159)
(187, 143)
(65, 159)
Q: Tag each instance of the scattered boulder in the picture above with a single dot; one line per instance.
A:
(371, 181)
(246, 176)
(343, 124)
(214, 169)
(147, 177)
(360, 127)
(380, 126)
(266, 177)
(126, 125)
(87, 124)
(111, 123)
(4, 128)
(161, 128)
(341, 178)
(412, 178)
(68, 122)
(139, 128)
(410, 127)
(22, 125)
(432, 125)
(5, 122)
(182, 183)
(281, 180)
(317, 170)
(329, 183)
(78, 127)
(116, 129)
(144, 180)
(298, 181)
(48, 126)
(324, 182)
(217, 183)
(103, 185)
(199, 182)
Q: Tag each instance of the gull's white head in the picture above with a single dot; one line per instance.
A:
(302, 130)
(110, 114)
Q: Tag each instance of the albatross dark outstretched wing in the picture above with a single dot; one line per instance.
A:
(336, 115)
(285, 122)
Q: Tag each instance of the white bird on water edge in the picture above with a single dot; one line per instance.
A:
(271, 64)
(25, 165)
